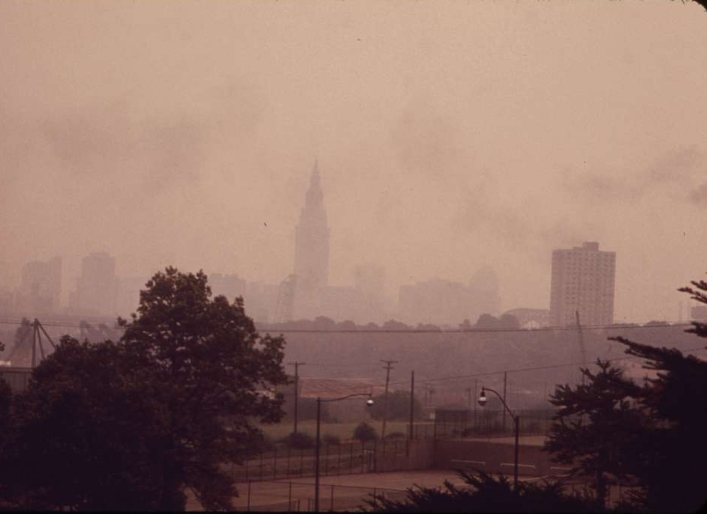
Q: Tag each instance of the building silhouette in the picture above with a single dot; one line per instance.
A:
(582, 282)
(97, 287)
(311, 252)
(40, 287)
(443, 302)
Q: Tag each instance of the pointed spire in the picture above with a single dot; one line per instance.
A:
(314, 182)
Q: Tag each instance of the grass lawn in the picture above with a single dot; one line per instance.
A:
(343, 431)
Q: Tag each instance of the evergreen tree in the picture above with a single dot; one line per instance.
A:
(486, 493)
(596, 425)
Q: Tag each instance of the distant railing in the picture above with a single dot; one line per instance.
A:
(335, 459)
(290, 496)
(490, 423)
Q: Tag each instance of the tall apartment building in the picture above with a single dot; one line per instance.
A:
(582, 281)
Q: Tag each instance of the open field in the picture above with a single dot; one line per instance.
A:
(343, 431)
(344, 492)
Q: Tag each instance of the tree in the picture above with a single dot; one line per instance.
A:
(654, 433)
(213, 373)
(5, 443)
(677, 399)
(365, 432)
(485, 493)
(398, 407)
(596, 425)
(85, 434)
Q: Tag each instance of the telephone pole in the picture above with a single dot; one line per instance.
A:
(505, 376)
(296, 365)
(388, 367)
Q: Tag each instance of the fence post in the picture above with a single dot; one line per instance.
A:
(274, 464)
(338, 459)
(332, 497)
(247, 508)
(301, 462)
(288, 462)
(326, 460)
(289, 496)
(363, 456)
(246, 469)
(262, 456)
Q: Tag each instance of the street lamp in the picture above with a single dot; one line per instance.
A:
(369, 402)
(516, 424)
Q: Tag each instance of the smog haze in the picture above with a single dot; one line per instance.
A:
(449, 136)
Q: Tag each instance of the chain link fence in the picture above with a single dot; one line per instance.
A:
(291, 496)
(334, 459)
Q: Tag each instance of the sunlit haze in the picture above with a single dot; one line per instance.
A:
(450, 136)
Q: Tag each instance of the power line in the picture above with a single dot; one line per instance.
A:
(404, 331)
(498, 372)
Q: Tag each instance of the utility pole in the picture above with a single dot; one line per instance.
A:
(505, 376)
(581, 341)
(412, 405)
(296, 365)
(388, 367)
(468, 398)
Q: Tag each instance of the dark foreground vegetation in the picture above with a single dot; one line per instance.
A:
(138, 423)
(610, 430)
(134, 424)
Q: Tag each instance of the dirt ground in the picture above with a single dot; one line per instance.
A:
(344, 492)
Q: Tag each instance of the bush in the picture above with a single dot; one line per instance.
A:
(299, 441)
(331, 439)
(365, 432)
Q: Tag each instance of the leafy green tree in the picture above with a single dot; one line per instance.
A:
(85, 434)
(299, 441)
(485, 493)
(365, 432)
(213, 374)
(398, 407)
(596, 425)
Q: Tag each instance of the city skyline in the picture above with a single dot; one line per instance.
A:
(442, 149)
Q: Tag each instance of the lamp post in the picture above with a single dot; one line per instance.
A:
(369, 402)
(516, 426)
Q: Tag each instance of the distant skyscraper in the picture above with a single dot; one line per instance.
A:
(311, 251)
(97, 288)
(40, 287)
(369, 280)
(582, 281)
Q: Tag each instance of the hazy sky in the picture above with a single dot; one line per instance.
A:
(450, 135)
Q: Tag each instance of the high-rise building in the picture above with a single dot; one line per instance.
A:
(583, 282)
(40, 287)
(97, 287)
(311, 252)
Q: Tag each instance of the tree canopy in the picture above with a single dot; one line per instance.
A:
(653, 433)
(595, 424)
(486, 493)
(136, 423)
(398, 407)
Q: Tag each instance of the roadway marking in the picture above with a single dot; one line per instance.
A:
(519, 465)
(560, 468)
(470, 461)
